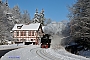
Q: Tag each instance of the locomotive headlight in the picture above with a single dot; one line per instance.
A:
(47, 43)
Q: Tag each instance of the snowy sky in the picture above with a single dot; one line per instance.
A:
(55, 9)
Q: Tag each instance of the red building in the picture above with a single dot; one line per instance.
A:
(31, 33)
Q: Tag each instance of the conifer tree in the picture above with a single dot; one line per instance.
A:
(42, 18)
(25, 17)
(16, 14)
(80, 22)
(36, 17)
(9, 17)
(39, 18)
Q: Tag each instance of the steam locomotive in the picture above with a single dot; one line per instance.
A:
(45, 41)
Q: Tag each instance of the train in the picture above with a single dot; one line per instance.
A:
(45, 41)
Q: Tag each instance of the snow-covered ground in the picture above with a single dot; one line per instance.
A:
(64, 55)
(34, 52)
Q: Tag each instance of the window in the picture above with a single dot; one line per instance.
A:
(23, 33)
(19, 27)
(31, 39)
(32, 33)
(29, 33)
(17, 33)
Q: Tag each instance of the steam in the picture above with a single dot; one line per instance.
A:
(57, 30)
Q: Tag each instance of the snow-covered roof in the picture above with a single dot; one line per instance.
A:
(32, 26)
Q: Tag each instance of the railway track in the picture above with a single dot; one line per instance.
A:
(43, 54)
(48, 56)
(40, 55)
(36, 51)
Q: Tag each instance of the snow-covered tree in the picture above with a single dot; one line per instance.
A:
(80, 22)
(16, 14)
(39, 18)
(47, 21)
(9, 17)
(54, 28)
(25, 17)
(36, 17)
(4, 23)
(42, 18)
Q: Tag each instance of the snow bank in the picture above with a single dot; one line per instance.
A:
(64, 55)
(58, 50)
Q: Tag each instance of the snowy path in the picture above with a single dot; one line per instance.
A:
(35, 53)
(5, 47)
